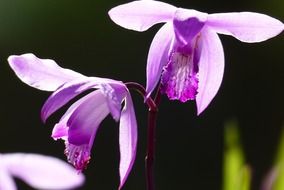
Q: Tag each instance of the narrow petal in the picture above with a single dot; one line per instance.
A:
(42, 172)
(141, 15)
(6, 180)
(63, 95)
(211, 68)
(127, 139)
(43, 74)
(158, 56)
(67, 92)
(60, 130)
(85, 120)
(246, 26)
(187, 24)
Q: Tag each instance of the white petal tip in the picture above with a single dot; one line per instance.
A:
(199, 111)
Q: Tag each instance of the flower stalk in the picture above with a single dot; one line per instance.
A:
(150, 156)
(151, 132)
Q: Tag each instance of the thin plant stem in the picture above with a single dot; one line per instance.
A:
(151, 136)
(150, 157)
(141, 90)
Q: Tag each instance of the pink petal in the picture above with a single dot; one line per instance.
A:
(127, 139)
(141, 15)
(43, 74)
(246, 26)
(78, 155)
(64, 94)
(211, 68)
(60, 130)
(158, 56)
(68, 91)
(6, 180)
(42, 172)
(86, 118)
(187, 24)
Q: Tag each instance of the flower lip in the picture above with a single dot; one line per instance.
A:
(179, 78)
(78, 156)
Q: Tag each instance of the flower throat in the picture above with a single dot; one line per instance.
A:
(179, 78)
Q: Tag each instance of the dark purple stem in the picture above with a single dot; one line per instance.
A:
(152, 118)
(150, 157)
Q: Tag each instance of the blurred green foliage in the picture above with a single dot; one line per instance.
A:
(237, 175)
(279, 166)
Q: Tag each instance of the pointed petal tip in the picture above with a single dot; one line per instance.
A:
(250, 27)
(60, 131)
(199, 110)
(147, 96)
(11, 58)
(16, 61)
(20, 59)
(120, 186)
(43, 117)
(211, 70)
(43, 74)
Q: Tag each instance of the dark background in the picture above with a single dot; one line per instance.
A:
(79, 35)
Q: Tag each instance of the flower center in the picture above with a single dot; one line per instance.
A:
(78, 156)
(179, 78)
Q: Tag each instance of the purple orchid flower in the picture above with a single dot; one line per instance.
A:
(78, 126)
(186, 53)
(40, 172)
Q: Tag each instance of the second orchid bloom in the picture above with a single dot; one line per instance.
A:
(78, 126)
(186, 57)
(186, 54)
